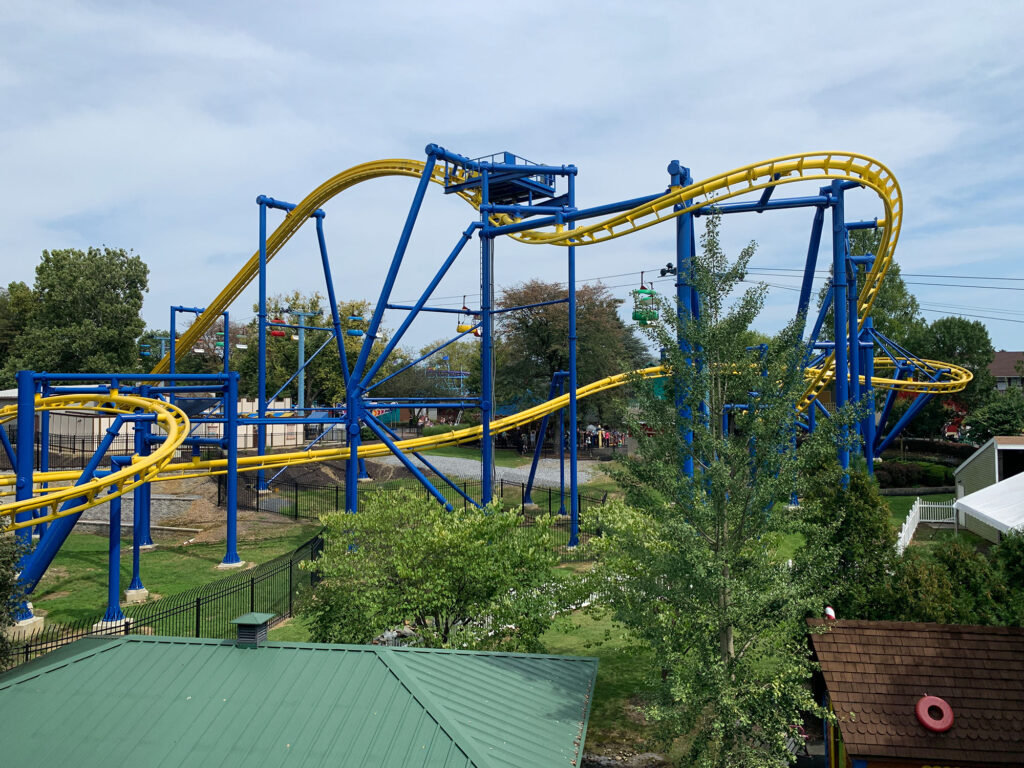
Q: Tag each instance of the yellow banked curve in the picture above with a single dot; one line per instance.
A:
(822, 166)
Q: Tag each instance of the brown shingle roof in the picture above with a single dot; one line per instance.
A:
(876, 671)
(1004, 362)
(1009, 440)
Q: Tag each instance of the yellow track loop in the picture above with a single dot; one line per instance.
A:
(170, 419)
(817, 167)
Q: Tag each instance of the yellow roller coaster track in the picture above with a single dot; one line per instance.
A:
(814, 167)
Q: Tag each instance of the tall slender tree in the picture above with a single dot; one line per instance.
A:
(690, 561)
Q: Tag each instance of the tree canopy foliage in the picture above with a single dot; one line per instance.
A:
(83, 315)
(1004, 415)
(468, 578)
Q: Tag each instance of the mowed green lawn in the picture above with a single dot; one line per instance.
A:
(75, 586)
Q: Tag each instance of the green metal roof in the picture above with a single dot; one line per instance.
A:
(162, 701)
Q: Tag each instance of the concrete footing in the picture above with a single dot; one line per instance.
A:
(136, 595)
(116, 627)
(146, 547)
(230, 566)
(26, 628)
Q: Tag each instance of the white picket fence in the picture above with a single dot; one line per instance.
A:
(924, 512)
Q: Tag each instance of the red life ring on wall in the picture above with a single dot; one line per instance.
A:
(940, 725)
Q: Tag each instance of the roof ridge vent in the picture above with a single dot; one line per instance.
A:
(252, 628)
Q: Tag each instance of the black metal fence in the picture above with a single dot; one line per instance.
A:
(308, 502)
(277, 587)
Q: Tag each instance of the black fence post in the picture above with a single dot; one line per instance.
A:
(337, 490)
(296, 487)
(252, 593)
(199, 602)
(291, 590)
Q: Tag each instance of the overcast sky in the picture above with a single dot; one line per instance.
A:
(154, 126)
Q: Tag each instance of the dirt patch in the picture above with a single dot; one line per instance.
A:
(53, 596)
(332, 473)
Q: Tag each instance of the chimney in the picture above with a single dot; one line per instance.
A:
(252, 629)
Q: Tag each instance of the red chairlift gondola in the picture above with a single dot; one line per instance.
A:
(277, 331)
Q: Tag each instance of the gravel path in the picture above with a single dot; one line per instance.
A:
(547, 471)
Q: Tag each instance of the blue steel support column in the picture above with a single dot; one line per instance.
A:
(812, 261)
(114, 612)
(144, 496)
(352, 439)
(868, 429)
(839, 302)
(261, 385)
(44, 459)
(329, 280)
(141, 448)
(680, 177)
(853, 355)
(574, 490)
(561, 458)
(23, 469)
(173, 343)
(231, 445)
(486, 367)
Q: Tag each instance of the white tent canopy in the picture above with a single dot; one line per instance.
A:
(1000, 505)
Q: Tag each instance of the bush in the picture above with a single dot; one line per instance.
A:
(911, 474)
(440, 429)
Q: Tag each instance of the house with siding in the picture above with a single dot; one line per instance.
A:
(996, 460)
(1005, 367)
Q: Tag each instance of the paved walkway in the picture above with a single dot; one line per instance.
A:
(547, 470)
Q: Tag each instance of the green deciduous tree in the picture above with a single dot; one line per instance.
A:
(15, 311)
(1003, 416)
(473, 578)
(690, 564)
(84, 315)
(965, 343)
(10, 592)
(848, 530)
(534, 343)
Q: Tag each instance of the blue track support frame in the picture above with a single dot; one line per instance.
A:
(867, 352)
(424, 298)
(35, 565)
(839, 305)
(853, 354)
(23, 470)
(574, 488)
(141, 449)
(44, 462)
(231, 481)
(486, 367)
(556, 382)
(813, 248)
(685, 305)
(920, 402)
(261, 383)
(114, 612)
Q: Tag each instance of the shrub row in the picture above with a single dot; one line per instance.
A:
(906, 474)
